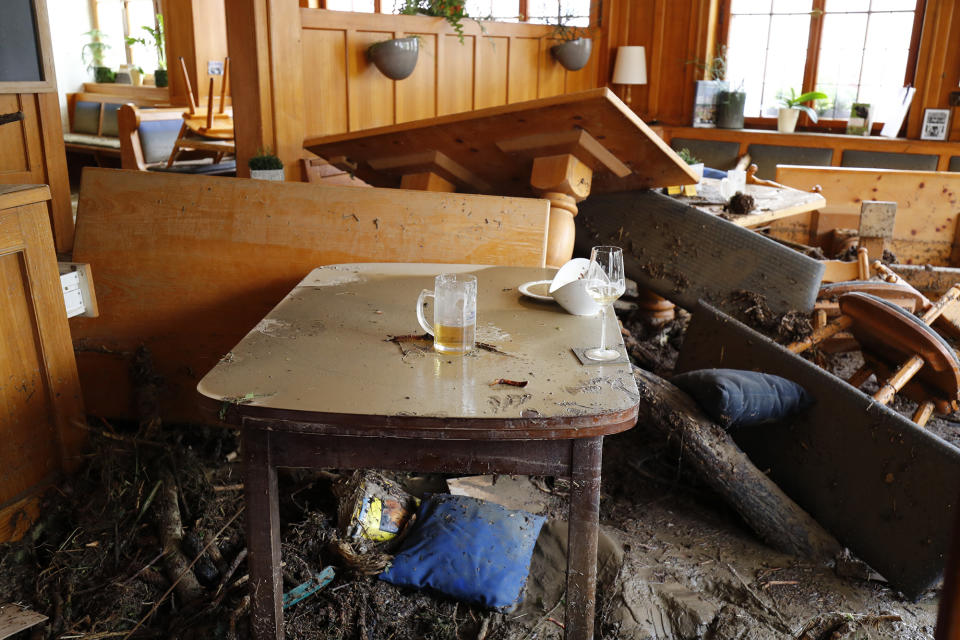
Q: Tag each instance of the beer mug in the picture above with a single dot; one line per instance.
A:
(454, 327)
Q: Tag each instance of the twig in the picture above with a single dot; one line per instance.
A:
(484, 627)
(156, 605)
(512, 383)
(145, 567)
(116, 436)
(228, 574)
(547, 616)
(785, 627)
(228, 487)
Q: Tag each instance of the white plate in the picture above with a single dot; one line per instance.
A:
(537, 289)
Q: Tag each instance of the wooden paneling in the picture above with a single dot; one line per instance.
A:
(500, 63)
(415, 95)
(455, 81)
(325, 80)
(524, 67)
(189, 272)
(196, 30)
(40, 405)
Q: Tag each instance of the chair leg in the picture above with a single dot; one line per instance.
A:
(840, 324)
(860, 376)
(176, 145)
(897, 381)
(923, 413)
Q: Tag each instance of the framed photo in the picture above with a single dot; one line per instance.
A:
(705, 102)
(935, 123)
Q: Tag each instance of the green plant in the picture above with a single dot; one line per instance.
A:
(793, 101)
(563, 30)
(688, 157)
(265, 161)
(450, 10)
(716, 67)
(92, 53)
(156, 41)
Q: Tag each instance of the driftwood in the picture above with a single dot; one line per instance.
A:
(171, 537)
(720, 463)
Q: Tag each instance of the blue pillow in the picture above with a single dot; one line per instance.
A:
(734, 398)
(468, 549)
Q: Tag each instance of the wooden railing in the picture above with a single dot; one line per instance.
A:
(497, 63)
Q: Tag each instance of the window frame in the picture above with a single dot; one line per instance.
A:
(823, 125)
(125, 20)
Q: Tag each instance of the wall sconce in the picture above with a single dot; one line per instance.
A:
(630, 67)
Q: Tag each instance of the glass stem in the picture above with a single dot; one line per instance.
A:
(603, 328)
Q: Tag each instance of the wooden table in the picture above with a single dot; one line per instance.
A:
(772, 203)
(560, 148)
(317, 384)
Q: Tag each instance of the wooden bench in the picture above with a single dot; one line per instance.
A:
(928, 204)
(93, 125)
(147, 137)
(186, 265)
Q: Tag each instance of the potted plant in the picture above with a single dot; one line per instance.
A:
(573, 52)
(92, 53)
(450, 10)
(791, 107)
(266, 166)
(156, 40)
(395, 58)
(695, 163)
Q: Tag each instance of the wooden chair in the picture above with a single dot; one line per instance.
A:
(147, 138)
(898, 347)
(200, 129)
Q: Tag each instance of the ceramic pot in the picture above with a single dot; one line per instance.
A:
(160, 77)
(395, 59)
(730, 109)
(267, 174)
(573, 54)
(787, 119)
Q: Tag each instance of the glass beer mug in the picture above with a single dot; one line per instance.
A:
(454, 327)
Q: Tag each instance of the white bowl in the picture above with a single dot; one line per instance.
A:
(569, 289)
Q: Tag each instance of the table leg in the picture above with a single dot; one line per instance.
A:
(583, 530)
(263, 536)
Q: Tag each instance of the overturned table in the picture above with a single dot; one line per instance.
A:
(562, 148)
(319, 384)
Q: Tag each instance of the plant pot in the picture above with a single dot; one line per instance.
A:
(698, 169)
(103, 74)
(730, 109)
(573, 54)
(267, 174)
(396, 58)
(160, 77)
(787, 119)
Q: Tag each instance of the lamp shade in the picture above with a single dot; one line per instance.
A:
(631, 66)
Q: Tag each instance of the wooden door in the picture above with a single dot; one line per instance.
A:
(40, 401)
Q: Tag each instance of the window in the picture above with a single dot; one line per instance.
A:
(118, 19)
(852, 50)
(576, 13)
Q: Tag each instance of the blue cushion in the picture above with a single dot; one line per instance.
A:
(110, 127)
(157, 138)
(86, 117)
(468, 549)
(733, 398)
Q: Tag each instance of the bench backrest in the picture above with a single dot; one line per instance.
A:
(188, 264)
(147, 136)
(928, 204)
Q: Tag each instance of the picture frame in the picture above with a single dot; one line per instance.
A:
(936, 124)
(705, 102)
(861, 119)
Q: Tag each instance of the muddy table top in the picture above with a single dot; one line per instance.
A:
(324, 355)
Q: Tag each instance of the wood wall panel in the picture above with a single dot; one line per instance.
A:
(490, 74)
(325, 80)
(455, 79)
(416, 95)
(13, 138)
(371, 93)
(503, 62)
(524, 69)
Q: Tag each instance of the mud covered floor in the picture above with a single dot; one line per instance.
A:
(676, 563)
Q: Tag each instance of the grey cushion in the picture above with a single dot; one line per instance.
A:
(888, 160)
(954, 164)
(768, 156)
(157, 138)
(110, 128)
(91, 141)
(86, 117)
(713, 153)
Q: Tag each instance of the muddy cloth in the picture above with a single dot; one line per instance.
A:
(468, 549)
(733, 398)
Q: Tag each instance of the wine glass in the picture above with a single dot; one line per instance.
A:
(605, 283)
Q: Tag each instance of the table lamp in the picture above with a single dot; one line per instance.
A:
(630, 67)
